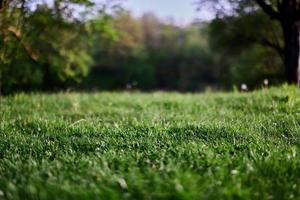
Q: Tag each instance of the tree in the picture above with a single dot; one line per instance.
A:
(31, 34)
(14, 16)
(46, 45)
(287, 13)
(246, 50)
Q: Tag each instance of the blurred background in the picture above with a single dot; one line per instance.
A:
(172, 45)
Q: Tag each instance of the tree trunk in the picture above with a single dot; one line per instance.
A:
(291, 31)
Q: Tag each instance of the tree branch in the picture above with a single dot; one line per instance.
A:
(17, 34)
(276, 47)
(268, 9)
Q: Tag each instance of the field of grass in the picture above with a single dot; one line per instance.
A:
(151, 146)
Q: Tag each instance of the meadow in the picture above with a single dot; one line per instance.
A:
(132, 145)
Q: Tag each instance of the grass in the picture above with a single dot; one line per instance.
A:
(151, 146)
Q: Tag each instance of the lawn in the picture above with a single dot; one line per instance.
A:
(151, 146)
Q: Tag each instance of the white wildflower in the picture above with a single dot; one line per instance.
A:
(122, 183)
(234, 172)
(266, 82)
(244, 87)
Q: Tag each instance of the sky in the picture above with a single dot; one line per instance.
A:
(182, 11)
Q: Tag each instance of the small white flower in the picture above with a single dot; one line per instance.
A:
(234, 172)
(244, 87)
(128, 86)
(122, 183)
(266, 82)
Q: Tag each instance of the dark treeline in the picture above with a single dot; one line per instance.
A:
(52, 50)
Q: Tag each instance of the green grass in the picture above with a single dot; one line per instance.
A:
(151, 146)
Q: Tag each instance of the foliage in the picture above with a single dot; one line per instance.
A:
(118, 51)
(44, 48)
(285, 12)
(151, 146)
(244, 51)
